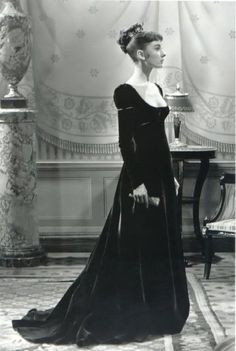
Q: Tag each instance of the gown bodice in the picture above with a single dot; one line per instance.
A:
(142, 138)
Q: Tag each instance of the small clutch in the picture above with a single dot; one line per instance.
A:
(152, 201)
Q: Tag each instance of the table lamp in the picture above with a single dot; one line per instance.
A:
(178, 102)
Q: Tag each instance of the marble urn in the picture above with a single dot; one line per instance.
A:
(15, 51)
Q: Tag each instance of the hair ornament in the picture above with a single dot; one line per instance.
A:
(127, 34)
(135, 29)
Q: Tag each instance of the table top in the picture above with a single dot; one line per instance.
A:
(193, 152)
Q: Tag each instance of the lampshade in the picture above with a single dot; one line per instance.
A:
(178, 101)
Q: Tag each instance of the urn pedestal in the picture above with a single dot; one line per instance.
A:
(19, 237)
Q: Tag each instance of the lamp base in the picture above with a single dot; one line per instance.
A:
(177, 143)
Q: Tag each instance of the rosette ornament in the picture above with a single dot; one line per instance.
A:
(15, 51)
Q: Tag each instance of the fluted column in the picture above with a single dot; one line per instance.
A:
(19, 237)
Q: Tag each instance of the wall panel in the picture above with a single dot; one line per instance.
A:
(74, 199)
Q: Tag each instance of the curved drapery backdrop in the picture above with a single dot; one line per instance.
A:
(208, 30)
(77, 64)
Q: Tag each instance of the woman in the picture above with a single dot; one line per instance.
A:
(134, 283)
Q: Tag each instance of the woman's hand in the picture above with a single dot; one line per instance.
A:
(176, 186)
(140, 195)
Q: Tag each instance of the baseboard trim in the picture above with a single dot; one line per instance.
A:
(87, 243)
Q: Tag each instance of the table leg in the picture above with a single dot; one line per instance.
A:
(204, 167)
(180, 176)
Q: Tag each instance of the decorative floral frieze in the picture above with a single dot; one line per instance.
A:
(76, 115)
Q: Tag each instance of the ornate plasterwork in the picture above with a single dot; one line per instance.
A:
(18, 227)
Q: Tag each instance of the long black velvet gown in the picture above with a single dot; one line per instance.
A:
(134, 283)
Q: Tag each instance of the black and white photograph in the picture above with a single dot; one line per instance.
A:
(117, 175)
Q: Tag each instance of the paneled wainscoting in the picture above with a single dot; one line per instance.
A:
(74, 199)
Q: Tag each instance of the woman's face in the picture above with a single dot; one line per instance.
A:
(154, 54)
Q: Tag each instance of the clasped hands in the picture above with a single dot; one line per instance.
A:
(140, 196)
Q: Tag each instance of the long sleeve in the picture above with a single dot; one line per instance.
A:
(126, 122)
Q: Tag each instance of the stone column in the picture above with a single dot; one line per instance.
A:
(19, 237)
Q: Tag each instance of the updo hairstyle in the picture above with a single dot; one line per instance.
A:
(135, 38)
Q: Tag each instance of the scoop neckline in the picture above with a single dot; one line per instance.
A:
(143, 99)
